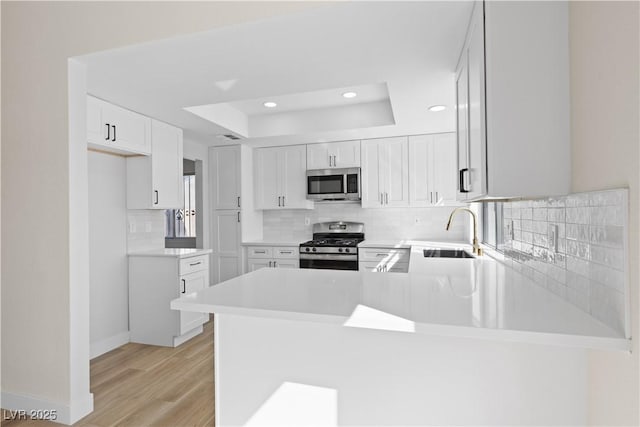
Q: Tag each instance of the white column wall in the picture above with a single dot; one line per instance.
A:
(605, 73)
(45, 300)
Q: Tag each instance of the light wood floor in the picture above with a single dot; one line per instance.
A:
(142, 385)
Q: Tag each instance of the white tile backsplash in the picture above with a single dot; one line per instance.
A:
(589, 268)
(380, 224)
(145, 230)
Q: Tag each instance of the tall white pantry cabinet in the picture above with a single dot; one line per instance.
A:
(233, 215)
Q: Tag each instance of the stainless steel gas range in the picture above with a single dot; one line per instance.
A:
(334, 246)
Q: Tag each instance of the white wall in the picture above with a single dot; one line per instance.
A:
(45, 356)
(605, 73)
(109, 290)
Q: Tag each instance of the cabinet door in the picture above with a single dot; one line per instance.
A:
(293, 178)
(128, 130)
(226, 245)
(228, 268)
(421, 170)
(318, 156)
(371, 175)
(267, 178)
(462, 126)
(396, 173)
(476, 104)
(345, 154)
(189, 284)
(257, 264)
(444, 167)
(224, 167)
(116, 129)
(166, 166)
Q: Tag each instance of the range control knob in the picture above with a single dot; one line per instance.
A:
(339, 249)
(346, 250)
(314, 249)
(306, 249)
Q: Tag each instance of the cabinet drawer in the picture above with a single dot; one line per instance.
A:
(382, 267)
(259, 252)
(193, 264)
(384, 255)
(286, 252)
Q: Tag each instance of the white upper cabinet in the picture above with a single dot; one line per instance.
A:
(224, 165)
(280, 178)
(432, 163)
(345, 154)
(385, 172)
(115, 129)
(512, 87)
(155, 182)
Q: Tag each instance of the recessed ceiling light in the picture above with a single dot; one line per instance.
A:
(437, 108)
(349, 95)
(270, 104)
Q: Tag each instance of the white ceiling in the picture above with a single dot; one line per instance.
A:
(304, 59)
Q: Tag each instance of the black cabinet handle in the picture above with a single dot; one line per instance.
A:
(278, 200)
(157, 197)
(108, 131)
(462, 172)
(184, 286)
(195, 263)
(114, 133)
(283, 204)
(238, 216)
(238, 201)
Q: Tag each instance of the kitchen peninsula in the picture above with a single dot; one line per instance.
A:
(300, 347)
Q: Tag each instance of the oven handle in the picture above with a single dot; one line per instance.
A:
(330, 257)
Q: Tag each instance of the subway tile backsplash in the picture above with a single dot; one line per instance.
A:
(380, 224)
(589, 266)
(145, 230)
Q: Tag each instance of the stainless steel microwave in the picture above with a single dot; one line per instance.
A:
(333, 184)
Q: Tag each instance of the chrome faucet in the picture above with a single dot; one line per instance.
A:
(476, 247)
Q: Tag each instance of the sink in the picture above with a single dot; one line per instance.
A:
(447, 253)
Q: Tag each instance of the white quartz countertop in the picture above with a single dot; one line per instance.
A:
(173, 252)
(276, 242)
(475, 298)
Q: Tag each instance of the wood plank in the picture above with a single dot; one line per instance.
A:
(142, 385)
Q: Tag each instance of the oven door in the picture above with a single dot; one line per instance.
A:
(328, 264)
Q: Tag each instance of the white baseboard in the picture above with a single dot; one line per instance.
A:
(18, 406)
(101, 347)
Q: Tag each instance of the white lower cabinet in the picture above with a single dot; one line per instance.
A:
(272, 257)
(384, 260)
(154, 281)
